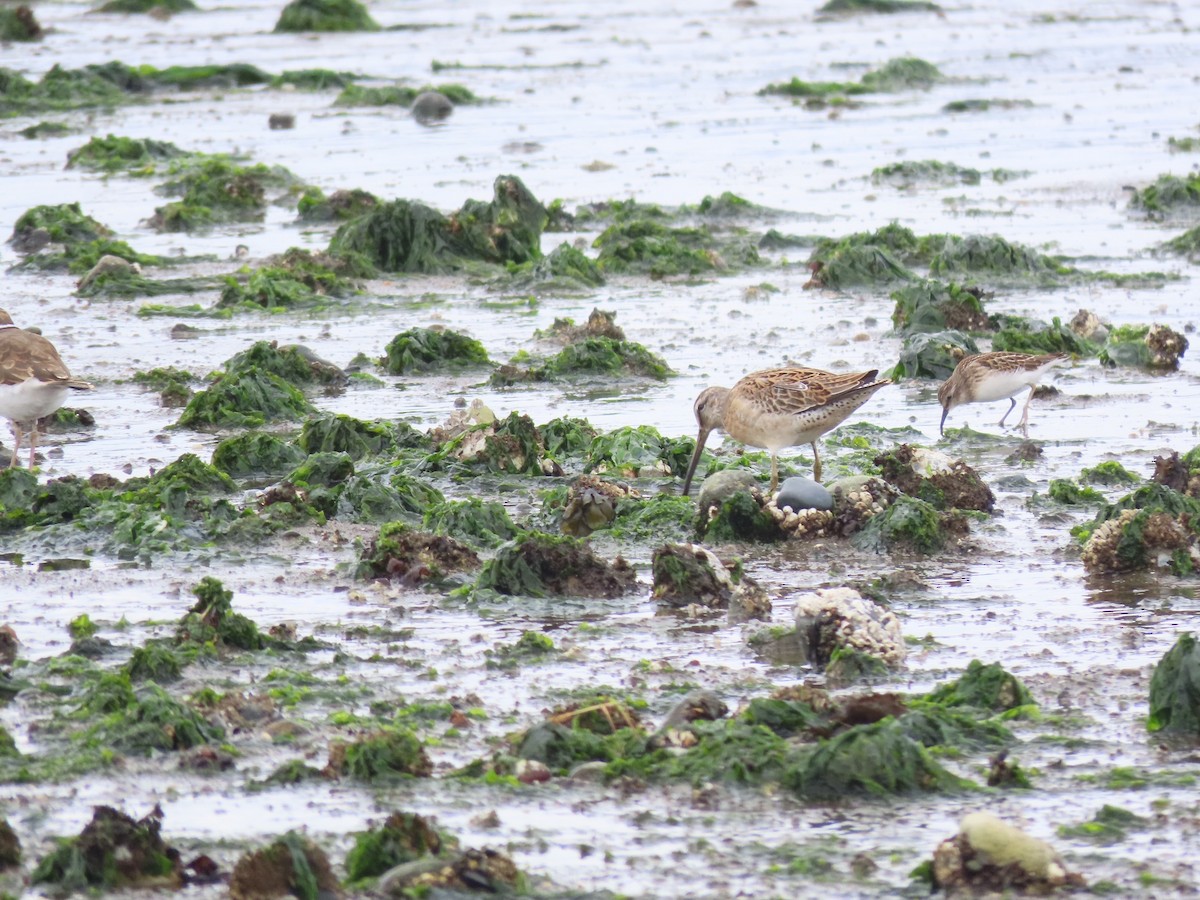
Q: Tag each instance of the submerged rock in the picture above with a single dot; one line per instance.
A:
(990, 855)
(538, 565)
(840, 619)
(1147, 347)
(113, 851)
(484, 871)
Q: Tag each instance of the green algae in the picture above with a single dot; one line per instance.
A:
(740, 518)
(19, 25)
(980, 105)
(1143, 346)
(536, 564)
(1186, 244)
(134, 156)
(112, 852)
(153, 722)
(564, 268)
(256, 453)
(46, 130)
(638, 451)
(871, 760)
(662, 517)
(477, 522)
(907, 524)
(401, 95)
(387, 755)
(909, 173)
(1063, 490)
(212, 621)
(1168, 196)
(590, 356)
(1109, 473)
(296, 279)
(315, 206)
(402, 551)
(985, 687)
(406, 236)
(402, 837)
(885, 7)
(245, 399)
(1029, 336)
(932, 355)
(648, 247)
(325, 15)
(935, 306)
(900, 74)
(422, 350)
(1175, 690)
(346, 434)
(215, 190)
(530, 648)
(1108, 826)
(145, 6)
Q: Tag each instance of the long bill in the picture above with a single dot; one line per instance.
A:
(700, 439)
(942, 427)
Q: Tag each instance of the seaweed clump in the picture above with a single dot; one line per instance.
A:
(325, 15)
(289, 866)
(214, 190)
(402, 837)
(413, 556)
(19, 24)
(421, 350)
(113, 851)
(405, 236)
(536, 564)
(1152, 526)
(1175, 690)
(135, 156)
(1154, 347)
(903, 73)
(936, 478)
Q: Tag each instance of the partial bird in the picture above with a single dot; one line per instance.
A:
(34, 382)
(778, 408)
(984, 377)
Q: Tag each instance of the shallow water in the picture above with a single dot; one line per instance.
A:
(666, 95)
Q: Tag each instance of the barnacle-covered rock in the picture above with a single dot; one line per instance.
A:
(990, 855)
(462, 420)
(936, 478)
(857, 500)
(836, 619)
(743, 516)
(692, 578)
(592, 505)
(802, 524)
(1138, 539)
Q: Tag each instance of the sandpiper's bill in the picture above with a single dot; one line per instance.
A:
(984, 377)
(34, 382)
(778, 408)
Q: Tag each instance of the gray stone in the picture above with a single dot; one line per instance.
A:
(799, 493)
(718, 488)
(431, 106)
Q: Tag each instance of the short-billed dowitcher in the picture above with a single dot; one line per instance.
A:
(33, 381)
(984, 377)
(778, 408)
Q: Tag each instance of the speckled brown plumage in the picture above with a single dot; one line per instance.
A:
(784, 407)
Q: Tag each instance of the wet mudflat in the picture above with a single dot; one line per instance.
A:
(662, 106)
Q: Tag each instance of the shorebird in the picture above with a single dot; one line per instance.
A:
(33, 381)
(984, 377)
(778, 408)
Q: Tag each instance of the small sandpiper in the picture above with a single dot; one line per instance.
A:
(34, 382)
(778, 408)
(984, 377)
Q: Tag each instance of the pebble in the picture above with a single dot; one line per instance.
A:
(799, 493)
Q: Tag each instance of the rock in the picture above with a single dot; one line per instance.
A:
(797, 493)
(988, 854)
(935, 477)
(281, 121)
(431, 106)
(720, 486)
(693, 579)
(842, 619)
(1088, 326)
(109, 265)
(10, 847)
(699, 704)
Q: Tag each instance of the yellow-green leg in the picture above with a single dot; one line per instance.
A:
(774, 473)
(816, 463)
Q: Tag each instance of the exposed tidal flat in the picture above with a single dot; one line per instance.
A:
(733, 188)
